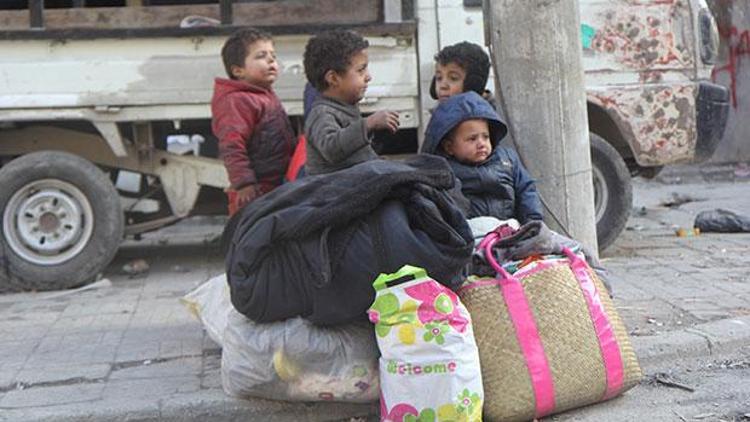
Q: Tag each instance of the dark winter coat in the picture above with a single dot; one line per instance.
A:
(256, 140)
(337, 137)
(314, 247)
(500, 186)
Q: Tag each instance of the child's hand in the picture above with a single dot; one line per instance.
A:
(383, 120)
(246, 195)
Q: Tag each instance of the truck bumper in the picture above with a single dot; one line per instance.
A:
(712, 111)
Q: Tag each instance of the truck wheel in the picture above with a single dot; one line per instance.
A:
(613, 192)
(62, 222)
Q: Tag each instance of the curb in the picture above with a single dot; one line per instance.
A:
(206, 405)
(709, 339)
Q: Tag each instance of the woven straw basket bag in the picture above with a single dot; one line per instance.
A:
(549, 339)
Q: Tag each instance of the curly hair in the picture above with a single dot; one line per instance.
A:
(331, 50)
(472, 59)
(236, 47)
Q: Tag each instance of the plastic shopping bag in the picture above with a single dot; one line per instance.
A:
(286, 360)
(429, 365)
(210, 304)
(298, 361)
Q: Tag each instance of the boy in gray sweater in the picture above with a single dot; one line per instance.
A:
(337, 135)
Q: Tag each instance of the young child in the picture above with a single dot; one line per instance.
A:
(337, 135)
(467, 131)
(460, 68)
(255, 136)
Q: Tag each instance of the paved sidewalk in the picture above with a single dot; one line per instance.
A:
(128, 350)
(664, 282)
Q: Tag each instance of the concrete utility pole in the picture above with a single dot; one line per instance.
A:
(536, 46)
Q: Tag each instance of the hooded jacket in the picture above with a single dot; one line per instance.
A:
(256, 140)
(337, 137)
(500, 186)
(312, 248)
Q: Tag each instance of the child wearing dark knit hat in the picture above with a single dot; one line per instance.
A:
(460, 68)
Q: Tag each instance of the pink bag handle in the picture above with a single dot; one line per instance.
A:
(527, 333)
(608, 345)
(486, 245)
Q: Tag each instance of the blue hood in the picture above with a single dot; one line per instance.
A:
(454, 110)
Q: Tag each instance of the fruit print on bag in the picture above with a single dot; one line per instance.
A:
(437, 305)
(386, 313)
(467, 409)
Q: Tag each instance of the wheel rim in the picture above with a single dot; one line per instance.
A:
(48, 222)
(601, 193)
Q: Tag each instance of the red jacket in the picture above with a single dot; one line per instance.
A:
(256, 140)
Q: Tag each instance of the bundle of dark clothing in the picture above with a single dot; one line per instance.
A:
(312, 248)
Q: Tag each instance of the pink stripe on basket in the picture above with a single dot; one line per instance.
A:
(526, 334)
(607, 340)
(531, 346)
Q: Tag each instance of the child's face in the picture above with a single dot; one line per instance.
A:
(470, 142)
(350, 87)
(449, 80)
(261, 67)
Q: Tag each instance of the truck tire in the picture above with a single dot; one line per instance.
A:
(613, 191)
(62, 222)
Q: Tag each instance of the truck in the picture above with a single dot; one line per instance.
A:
(105, 107)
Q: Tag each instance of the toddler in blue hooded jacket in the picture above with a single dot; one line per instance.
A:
(467, 131)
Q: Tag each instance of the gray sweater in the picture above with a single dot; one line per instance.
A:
(337, 137)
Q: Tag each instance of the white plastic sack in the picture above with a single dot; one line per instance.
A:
(429, 368)
(298, 361)
(210, 304)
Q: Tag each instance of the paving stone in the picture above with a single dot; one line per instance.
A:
(154, 368)
(211, 379)
(164, 311)
(109, 410)
(626, 290)
(724, 301)
(13, 354)
(655, 315)
(92, 322)
(163, 332)
(706, 310)
(7, 378)
(734, 287)
(176, 348)
(675, 252)
(654, 241)
(60, 372)
(136, 352)
(81, 354)
(154, 388)
(11, 332)
(739, 239)
(707, 315)
(620, 263)
(50, 396)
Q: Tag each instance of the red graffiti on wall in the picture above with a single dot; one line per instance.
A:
(739, 45)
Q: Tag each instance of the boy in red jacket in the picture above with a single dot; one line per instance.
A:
(255, 136)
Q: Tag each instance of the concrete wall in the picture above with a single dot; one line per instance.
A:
(733, 71)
